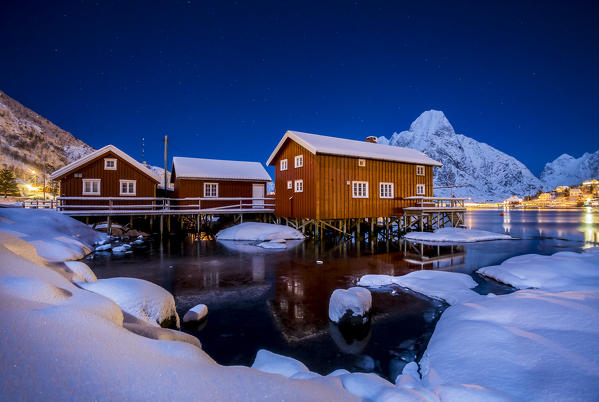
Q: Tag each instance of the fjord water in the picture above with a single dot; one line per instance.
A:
(278, 300)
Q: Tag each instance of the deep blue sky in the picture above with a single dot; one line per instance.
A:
(226, 79)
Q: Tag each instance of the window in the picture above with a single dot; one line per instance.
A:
(78, 175)
(289, 184)
(109, 164)
(419, 170)
(91, 186)
(299, 161)
(359, 189)
(283, 164)
(420, 189)
(210, 190)
(127, 187)
(386, 190)
(361, 162)
(299, 186)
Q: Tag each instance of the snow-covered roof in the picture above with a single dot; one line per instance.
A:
(323, 144)
(198, 168)
(90, 157)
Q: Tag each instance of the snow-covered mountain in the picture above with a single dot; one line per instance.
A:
(29, 141)
(489, 174)
(567, 170)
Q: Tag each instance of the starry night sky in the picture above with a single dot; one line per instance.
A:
(226, 79)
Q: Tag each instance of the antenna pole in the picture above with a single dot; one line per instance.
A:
(165, 161)
(143, 150)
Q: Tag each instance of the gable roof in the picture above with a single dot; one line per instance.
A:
(96, 154)
(198, 168)
(322, 144)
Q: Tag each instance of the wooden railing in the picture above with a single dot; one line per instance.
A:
(90, 206)
(45, 204)
(436, 203)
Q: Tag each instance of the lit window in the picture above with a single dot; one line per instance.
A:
(419, 170)
(386, 190)
(210, 190)
(289, 184)
(299, 161)
(127, 187)
(91, 186)
(359, 189)
(109, 164)
(361, 162)
(299, 186)
(283, 164)
(420, 189)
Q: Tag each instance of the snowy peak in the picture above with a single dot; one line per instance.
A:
(432, 122)
(485, 173)
(567, 170)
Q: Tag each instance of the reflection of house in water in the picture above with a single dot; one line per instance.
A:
(434, 255)
(301, 296)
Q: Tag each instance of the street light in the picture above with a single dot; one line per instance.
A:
(34, 177)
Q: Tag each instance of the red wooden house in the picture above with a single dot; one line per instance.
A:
(328, 178)
(213, 178)
(107, 172)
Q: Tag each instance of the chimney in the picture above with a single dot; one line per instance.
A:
(372, 139)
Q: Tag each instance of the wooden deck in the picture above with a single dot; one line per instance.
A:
(151, 206)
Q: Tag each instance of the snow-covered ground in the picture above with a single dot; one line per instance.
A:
(565, 270)
(456, 235)
(54, 236)
(537, 344)
(257, 231)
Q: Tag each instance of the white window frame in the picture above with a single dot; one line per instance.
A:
(99, 181)
(362, 162)
(420, 189)
(359, 189)
(209, 193)
(106, 160)
(298, 186)
(129, 194)
(420, 171)
(389, 190)
(289, 184)
(283, 164)
(298, 161)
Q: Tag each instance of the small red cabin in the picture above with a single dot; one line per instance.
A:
(107, 172)
(213, 178)
(321, 177)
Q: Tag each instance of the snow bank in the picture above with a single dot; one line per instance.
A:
(561, 271)
(456, 235)
(56, 237)
(355, 302)
(452, 287)
(272, 245)
(142, 299)
(81, 272)
(530, 345)
(196, 313)
(61, 340)
(256, 231)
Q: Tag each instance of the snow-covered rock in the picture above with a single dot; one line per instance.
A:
(142, 299)
(257, 231)
(270, 362)
(451, 287)
(353, 305)
(103, 247)
(565, 270)
(567, 170)
(456, 235)
(196, 313)
(81, 272)
(488, 173)
(56, 237)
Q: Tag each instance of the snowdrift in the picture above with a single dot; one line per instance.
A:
(456, 235)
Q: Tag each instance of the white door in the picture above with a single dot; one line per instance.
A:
(257, 192)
